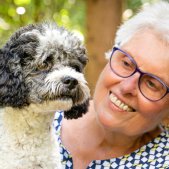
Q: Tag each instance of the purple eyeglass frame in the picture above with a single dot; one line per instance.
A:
(140, 72)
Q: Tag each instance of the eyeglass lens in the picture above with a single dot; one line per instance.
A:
(124, 66)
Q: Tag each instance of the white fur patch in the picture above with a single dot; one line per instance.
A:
(25, 139)
(57, 74)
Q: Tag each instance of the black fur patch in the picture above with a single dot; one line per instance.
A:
(77, 111)
(12, 88)
(13, 91)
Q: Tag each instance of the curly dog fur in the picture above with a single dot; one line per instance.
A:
(41, 71)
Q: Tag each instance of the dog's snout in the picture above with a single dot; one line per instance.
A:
(69, 82)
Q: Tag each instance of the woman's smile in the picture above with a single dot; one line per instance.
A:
(119, 104)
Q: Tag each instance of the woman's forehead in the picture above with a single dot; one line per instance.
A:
(150, 53)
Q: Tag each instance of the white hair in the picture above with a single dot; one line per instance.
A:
(154, 17)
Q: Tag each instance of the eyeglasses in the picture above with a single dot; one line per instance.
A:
(123, 65)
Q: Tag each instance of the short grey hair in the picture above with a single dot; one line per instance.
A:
(154, 17)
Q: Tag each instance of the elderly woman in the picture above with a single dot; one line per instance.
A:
(122, 128)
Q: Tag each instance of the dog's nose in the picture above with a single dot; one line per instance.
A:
(69, 82)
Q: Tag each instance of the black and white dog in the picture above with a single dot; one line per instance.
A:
(40, 72)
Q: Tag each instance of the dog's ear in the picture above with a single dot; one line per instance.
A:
(12, 89)
(77, 111)
(23, 43)
(13, 57)
(23, 46)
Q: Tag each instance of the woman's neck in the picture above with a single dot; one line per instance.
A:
(90, 136)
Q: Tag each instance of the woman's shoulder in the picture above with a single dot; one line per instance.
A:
(152, 155)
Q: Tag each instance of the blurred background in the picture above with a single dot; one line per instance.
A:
(94, 21)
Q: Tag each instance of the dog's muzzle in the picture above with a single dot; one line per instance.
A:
(66, 83)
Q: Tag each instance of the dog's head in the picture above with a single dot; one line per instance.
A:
(43, 64)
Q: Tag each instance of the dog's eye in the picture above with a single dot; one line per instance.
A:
(43, 66)
(77, 68)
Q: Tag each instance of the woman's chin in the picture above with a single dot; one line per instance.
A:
(107, 120)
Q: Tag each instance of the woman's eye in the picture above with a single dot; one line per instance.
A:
(155, 86)
(150, 84)
(126, 64)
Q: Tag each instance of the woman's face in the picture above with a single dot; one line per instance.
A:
(142, 115)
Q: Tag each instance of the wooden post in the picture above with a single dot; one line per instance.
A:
(103, 19)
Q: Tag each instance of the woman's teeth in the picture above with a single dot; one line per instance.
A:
(120, 104)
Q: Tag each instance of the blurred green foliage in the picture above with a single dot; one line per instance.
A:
(17, 13)
(69, 13)
(135, 5)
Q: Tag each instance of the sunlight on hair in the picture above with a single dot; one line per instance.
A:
(79, 35)
(127, 14)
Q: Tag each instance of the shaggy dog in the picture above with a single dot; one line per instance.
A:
(40, 72)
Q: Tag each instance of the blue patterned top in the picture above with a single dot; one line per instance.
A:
(154, 155)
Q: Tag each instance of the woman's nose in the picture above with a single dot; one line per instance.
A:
(129, 85)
